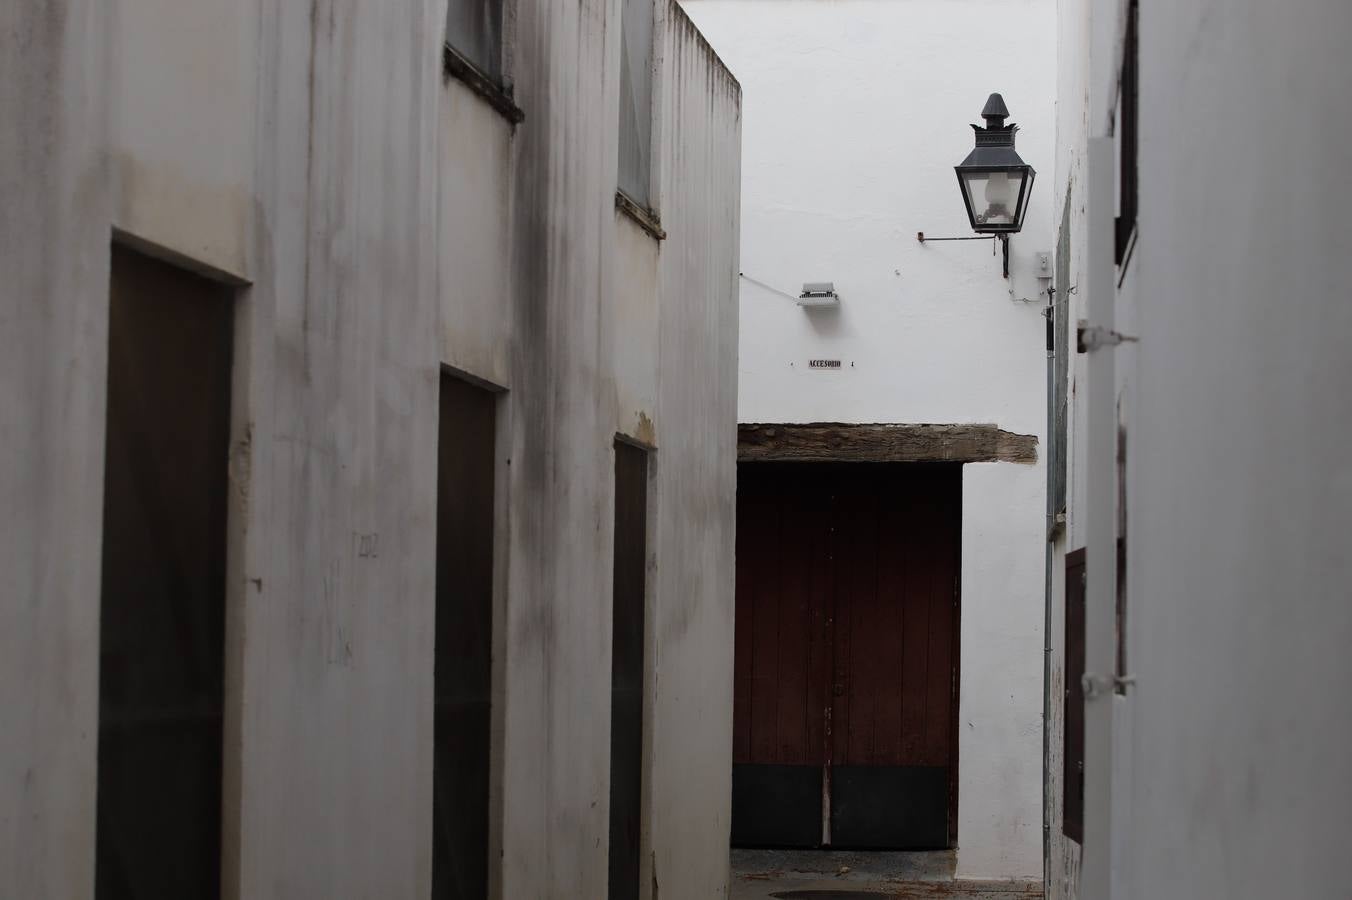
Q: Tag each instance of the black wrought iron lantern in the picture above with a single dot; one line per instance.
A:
(995, 182)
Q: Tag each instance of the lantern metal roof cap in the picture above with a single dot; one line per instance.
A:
(996, 110)
(995, 142)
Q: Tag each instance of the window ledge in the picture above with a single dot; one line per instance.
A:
(646, 218)
(456, 66)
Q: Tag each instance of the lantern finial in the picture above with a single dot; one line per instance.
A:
(995, 112)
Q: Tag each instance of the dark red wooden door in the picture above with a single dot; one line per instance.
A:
(846, 649)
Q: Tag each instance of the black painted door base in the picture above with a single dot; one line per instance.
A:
(872, 807)
(889, 807)
(776, 806)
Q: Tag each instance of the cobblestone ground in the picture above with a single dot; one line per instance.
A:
(820, 875)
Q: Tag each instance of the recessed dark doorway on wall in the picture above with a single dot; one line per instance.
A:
(846, 655)
(627, 668)
(462, 731)
(162, 597)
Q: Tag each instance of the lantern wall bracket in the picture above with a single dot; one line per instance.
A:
(1002, 238)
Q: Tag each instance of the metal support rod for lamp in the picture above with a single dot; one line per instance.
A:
(1002, 238)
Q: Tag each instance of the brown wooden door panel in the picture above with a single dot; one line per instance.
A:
(846, 642)
(762, 676)
(752, 537)
(895, 597)
(894, 727)
(799, 722)
(943, 634)
(781, 655)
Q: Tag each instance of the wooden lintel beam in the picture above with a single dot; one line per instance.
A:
(837, 442)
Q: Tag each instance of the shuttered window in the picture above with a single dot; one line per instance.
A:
(1127, 137)
(474, 31)
(636, 101)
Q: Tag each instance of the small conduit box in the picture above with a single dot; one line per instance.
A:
(817, 294)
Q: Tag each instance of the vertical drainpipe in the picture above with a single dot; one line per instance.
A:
(1051, 464)
(1101, 523)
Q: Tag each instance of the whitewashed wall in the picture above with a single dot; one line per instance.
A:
(380, 222)
(1068, 207)
(1229, 752)
(855, 114)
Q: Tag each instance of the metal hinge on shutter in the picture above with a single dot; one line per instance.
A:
(1092, 337)
(1096, 686)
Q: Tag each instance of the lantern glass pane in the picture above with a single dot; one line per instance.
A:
(993, 196)
(1027, 192)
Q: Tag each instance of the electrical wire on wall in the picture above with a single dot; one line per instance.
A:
(769, 287)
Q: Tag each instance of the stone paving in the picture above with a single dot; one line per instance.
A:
(841, 875)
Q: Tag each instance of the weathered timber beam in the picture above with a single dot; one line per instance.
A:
(837, 442)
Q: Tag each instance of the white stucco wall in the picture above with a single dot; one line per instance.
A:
(1228, 754)
(380, 223)
(1069, 202)
(53, 359)
(855, 114)
(1242, 489)
(182, 126)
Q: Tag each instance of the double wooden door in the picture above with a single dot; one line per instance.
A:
(845, 688)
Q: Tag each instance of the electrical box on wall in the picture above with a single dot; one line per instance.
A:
(1043, 263)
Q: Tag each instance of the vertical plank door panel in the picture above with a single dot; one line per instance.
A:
(463, 654)
(754, 528)
(162, 602)
(890, 789)
(857, 577)
(846, 609)
(889, 732)
(765, 651)
(922, 547)
(629, 595)
(777, 780)
(1072, 813)
(942, 613)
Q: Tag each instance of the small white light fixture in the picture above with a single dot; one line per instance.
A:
(818, 294)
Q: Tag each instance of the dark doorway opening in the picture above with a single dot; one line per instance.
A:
(846, 659)
(162, 614)
(462, 738)
(626, 679)
(1072, 773)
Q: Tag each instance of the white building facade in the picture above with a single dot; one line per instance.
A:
(855, 114)
(318, 336)
(1205, 427)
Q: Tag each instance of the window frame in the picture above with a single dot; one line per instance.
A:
(643, 211)
(1128, 138)
(495, 90)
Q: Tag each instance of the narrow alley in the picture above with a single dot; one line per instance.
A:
(675, 450)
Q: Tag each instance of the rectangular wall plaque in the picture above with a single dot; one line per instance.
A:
(823, 364)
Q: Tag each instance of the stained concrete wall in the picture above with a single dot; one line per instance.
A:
(856, 113)
(1227, 752)
(53, 359)
(1070, 191)
(696, 467)
(378, 222)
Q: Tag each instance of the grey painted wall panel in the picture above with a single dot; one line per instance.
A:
(1229, 751)
(364, 171)
(54, 252)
